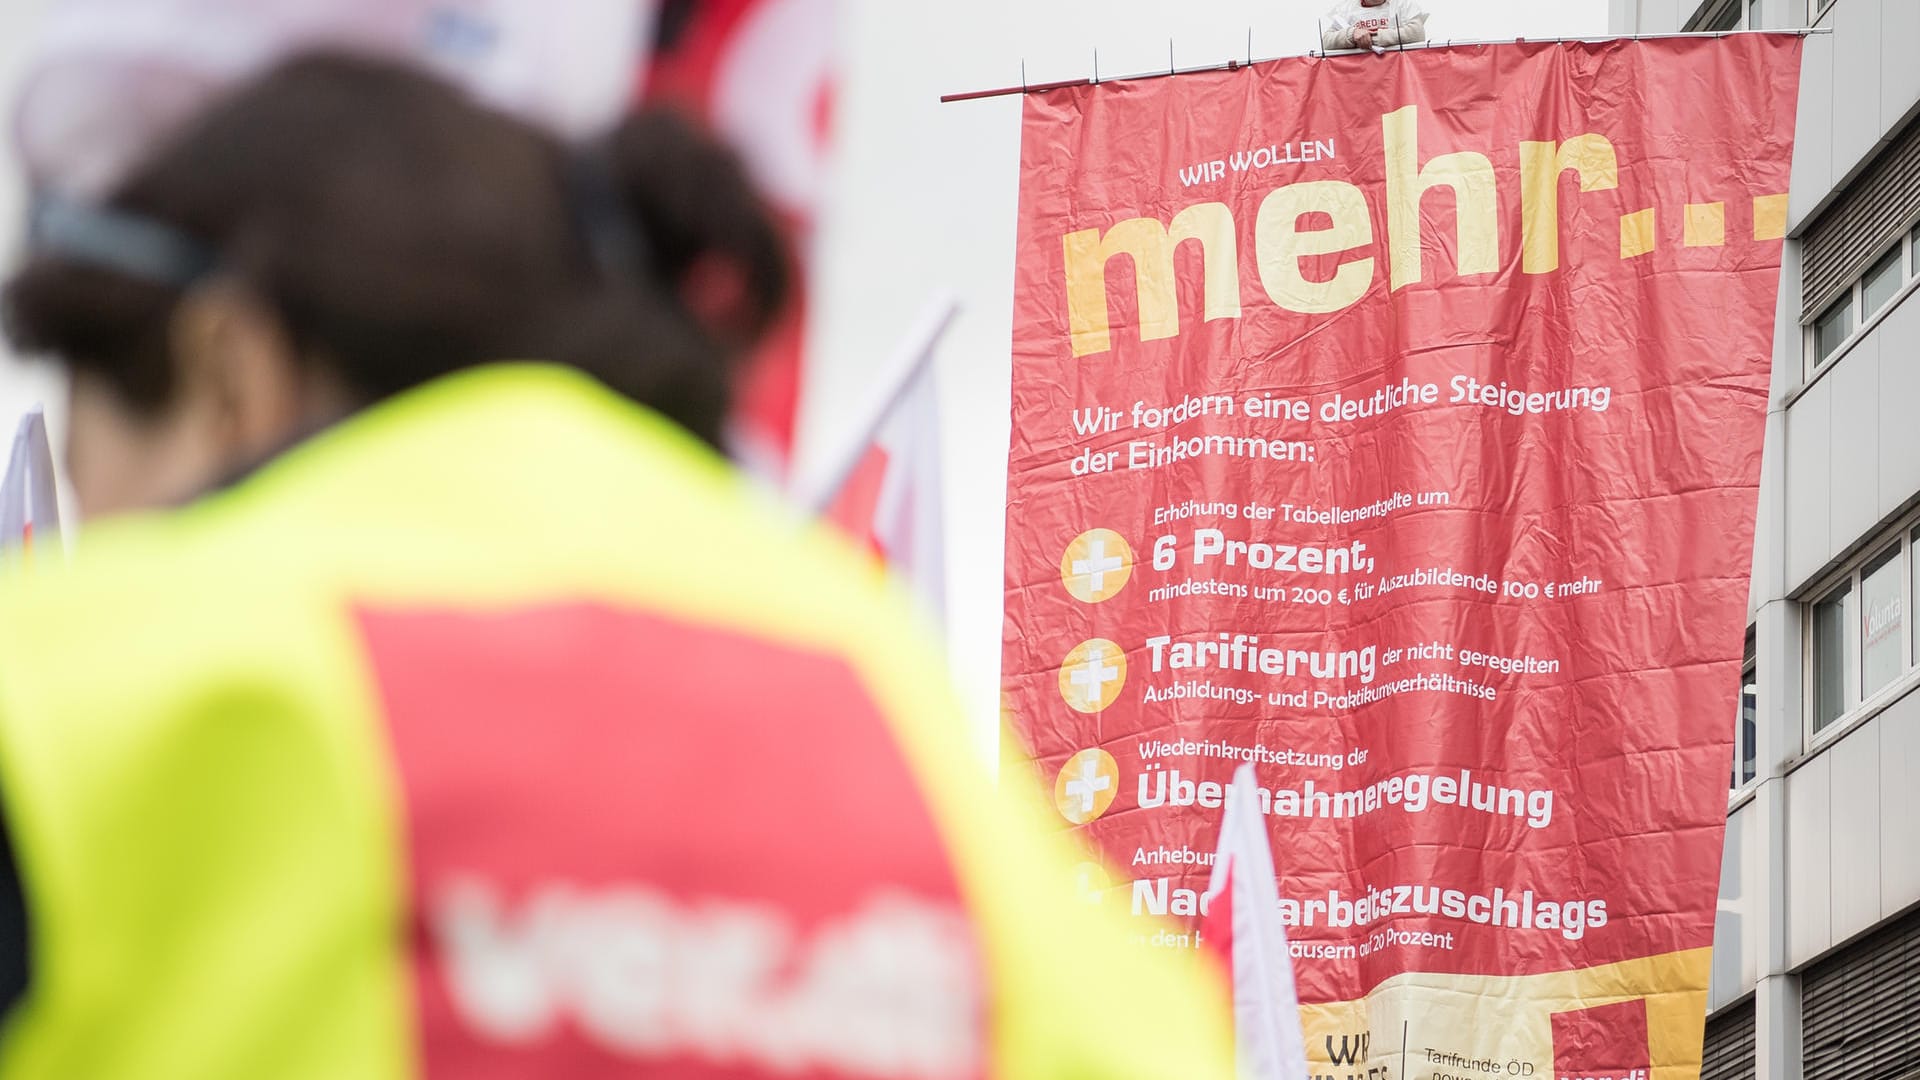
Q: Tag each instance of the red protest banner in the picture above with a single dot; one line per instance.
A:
(1393, 423)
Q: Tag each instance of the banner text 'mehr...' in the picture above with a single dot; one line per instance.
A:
(1281, 243)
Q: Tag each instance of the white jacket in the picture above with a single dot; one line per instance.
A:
(1395, 22)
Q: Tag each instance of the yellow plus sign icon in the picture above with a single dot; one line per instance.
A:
(1092, 675)
(1096, 565)
(1086, 785)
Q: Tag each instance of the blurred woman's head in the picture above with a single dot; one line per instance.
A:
(343, 229)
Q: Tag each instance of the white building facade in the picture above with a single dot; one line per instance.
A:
(1817, 946)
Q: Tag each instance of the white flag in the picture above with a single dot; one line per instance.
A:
(1242, 923)
(892, 500)
(28, 507)
(883, 483)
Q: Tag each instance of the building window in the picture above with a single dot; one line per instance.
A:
(1754, 21)
(1860, 642)
(1881, 282)
(1883, 655)
(1719, 15)
(1874, 212)
(1865, 297)
(1746, 729)
(1834, 326)
(1817, 8)
(1830, 618)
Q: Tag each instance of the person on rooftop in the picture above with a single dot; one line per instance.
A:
(1373, 24)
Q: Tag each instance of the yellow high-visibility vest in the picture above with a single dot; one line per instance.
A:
(502, 730)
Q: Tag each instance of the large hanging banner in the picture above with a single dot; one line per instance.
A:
(1393, 423)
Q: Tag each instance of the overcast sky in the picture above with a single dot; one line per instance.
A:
(923, 201)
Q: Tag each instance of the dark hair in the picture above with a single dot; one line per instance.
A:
(684, 189)
(403, 232)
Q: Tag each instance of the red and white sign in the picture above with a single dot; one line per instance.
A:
(1392, 424)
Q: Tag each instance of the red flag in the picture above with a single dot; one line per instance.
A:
(1242, 925)
(761, 73)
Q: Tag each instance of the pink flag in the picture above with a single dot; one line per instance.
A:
(27, 502)
(1242, 923)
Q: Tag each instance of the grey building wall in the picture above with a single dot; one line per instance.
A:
(1825, 844)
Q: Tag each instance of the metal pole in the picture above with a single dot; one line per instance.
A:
(1229, 65)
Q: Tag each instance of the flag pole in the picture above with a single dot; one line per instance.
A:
(909, 358)
(1236, 63)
